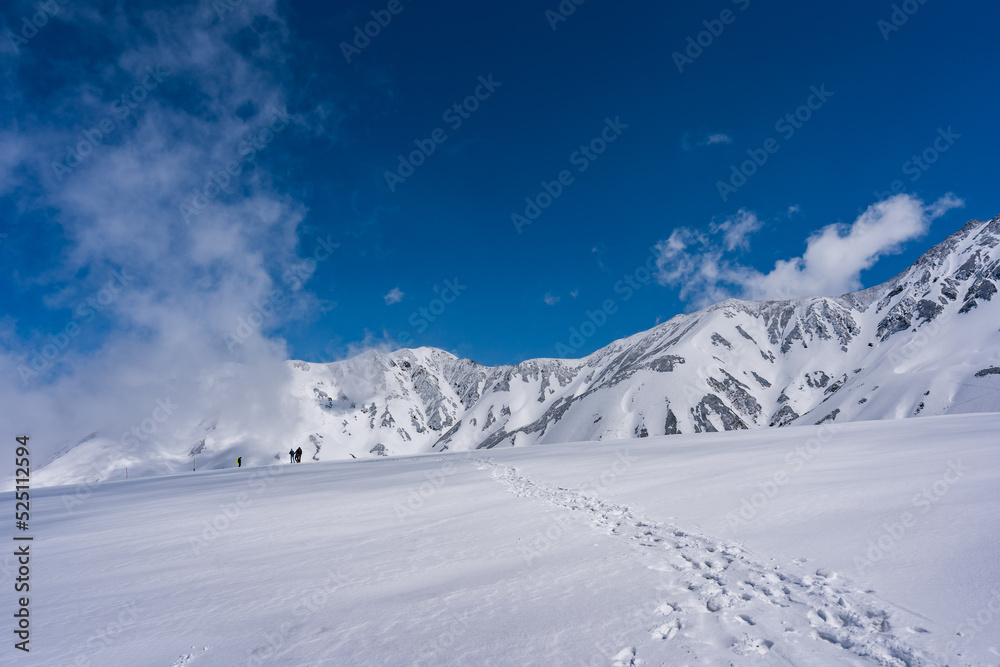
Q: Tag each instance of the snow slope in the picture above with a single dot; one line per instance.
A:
(924, 343)
(868, 543)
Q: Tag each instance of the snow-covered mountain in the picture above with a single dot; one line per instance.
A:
(924, 343)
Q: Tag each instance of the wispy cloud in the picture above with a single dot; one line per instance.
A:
(395, 295)
(171, 330)
(736, 230)
(550, 299)
(688, 143)
(704, 269)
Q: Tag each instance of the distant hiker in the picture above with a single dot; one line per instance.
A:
(298, 455)
(291, 456)
(239, 461)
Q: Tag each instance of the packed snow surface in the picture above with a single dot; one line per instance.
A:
(868, 543)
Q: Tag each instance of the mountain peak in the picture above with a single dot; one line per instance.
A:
(922, 343)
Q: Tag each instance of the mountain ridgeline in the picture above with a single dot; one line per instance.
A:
(924, 343)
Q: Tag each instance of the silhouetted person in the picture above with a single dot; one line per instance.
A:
(291, 456)
(298, 455)
(239, 461)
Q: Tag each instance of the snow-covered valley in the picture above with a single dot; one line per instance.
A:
(869, 543)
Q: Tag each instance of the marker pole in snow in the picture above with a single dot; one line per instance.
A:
(126, 472)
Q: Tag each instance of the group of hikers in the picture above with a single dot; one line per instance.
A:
(294, 455)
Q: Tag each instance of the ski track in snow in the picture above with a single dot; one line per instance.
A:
(719, 582)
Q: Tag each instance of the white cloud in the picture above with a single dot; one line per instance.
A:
(170, 331)
(711, 139)
(737, 229)
(395, 295)
(832, 264)
(550, 299)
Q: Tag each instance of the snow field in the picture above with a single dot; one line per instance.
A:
(607, 553)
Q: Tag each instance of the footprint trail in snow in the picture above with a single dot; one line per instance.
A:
(717, 589)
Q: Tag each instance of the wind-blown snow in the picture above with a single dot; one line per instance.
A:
(863, 543)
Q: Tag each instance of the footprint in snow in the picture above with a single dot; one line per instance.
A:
(715, 603)
(668, 608)
(624, 658)
(748, 645)
(187, 658)
(667, 630)
(714, 575)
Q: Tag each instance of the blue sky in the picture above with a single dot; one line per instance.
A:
(216, 267)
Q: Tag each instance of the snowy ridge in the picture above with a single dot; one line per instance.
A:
(908, 347)
(920, 344)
